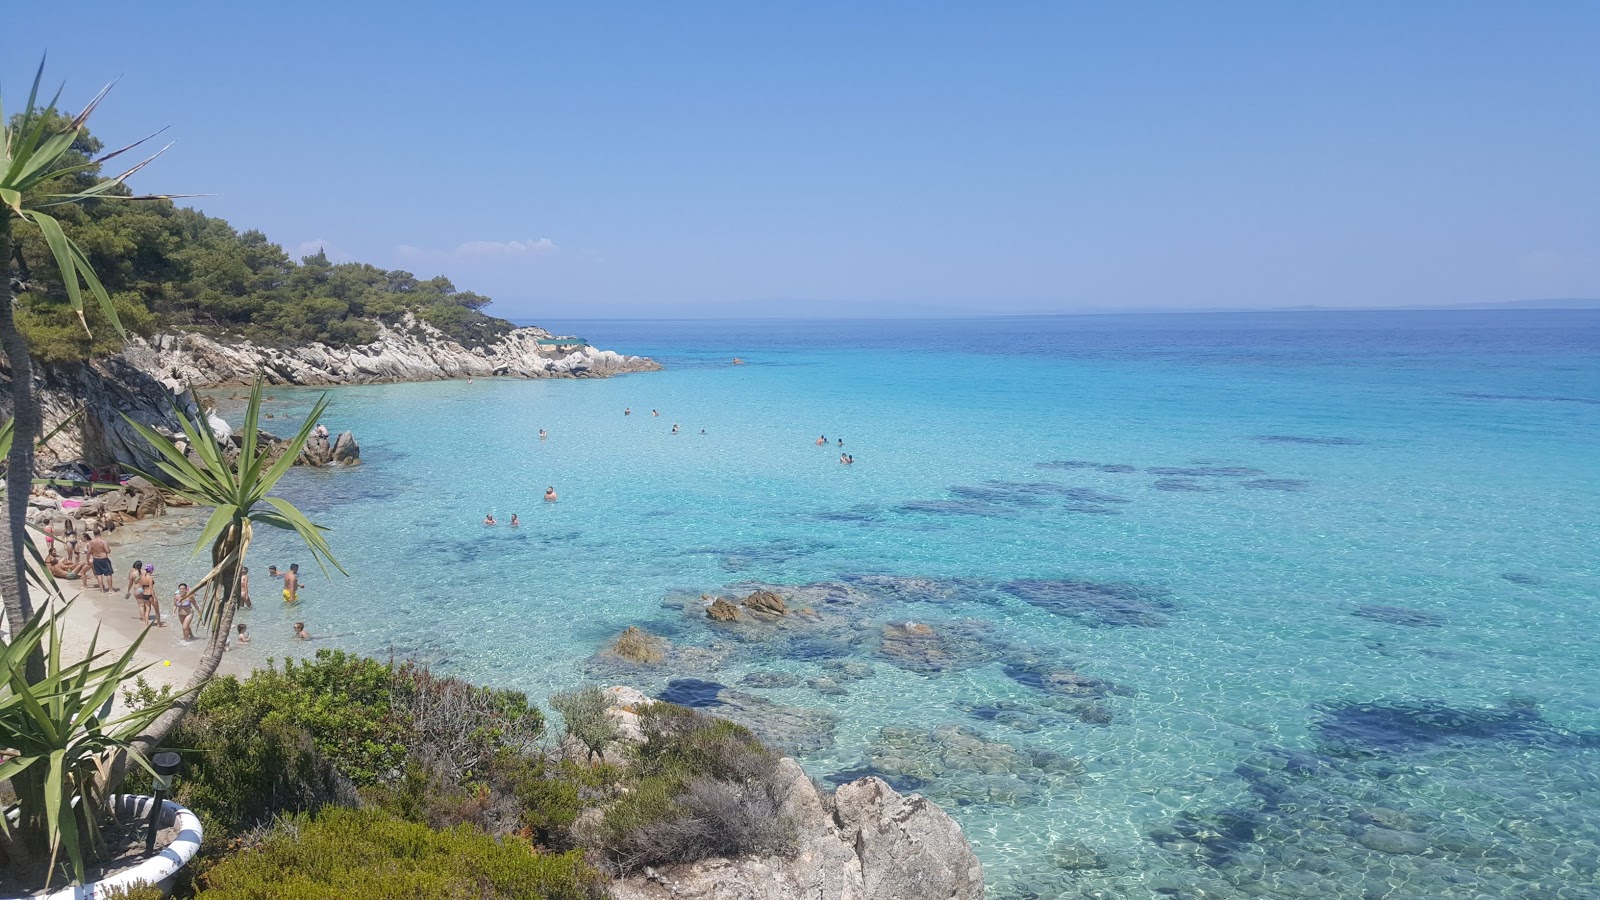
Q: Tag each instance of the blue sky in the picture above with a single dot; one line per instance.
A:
(689, 159)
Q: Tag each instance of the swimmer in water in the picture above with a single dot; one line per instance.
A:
(841, 442)
(542, 435)
(655, 412)
(846, 459)
(489, 519)
(550, 494)
(514, 522)
(628, 411)
(244, 635)
(674, 427)
(300, 631)
(822, 441)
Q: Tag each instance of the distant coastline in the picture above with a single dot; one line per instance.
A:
(1552, 305)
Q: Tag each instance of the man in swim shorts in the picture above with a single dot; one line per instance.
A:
(291, 583)
(100, 560)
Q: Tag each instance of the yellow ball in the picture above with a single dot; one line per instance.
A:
(166, 662)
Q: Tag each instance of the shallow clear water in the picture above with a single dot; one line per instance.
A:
(1365, 667)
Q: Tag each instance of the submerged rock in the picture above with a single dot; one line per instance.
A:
(1407, 616)
(922, 648)
(1276, 484)
(788, 728)
(639, 646)
(1385, 840)
(1365, 729)
(1064, 682)
(1095, 603)
(770, 680)
(1072, 855)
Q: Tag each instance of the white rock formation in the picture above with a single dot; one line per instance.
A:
(410, 351)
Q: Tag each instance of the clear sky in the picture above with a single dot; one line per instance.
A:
(706, 159)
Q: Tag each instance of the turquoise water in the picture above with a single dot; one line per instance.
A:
(1360, 660)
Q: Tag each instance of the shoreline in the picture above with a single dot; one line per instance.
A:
(168, 660)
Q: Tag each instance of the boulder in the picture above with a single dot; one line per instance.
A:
(766, 603)
(317, 452)
(346, 452)
(639, 646)
(721, 610)
(144, 499)
(874, 845)
(907, 846)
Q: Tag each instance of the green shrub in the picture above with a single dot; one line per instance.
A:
(458, 728)
(586, 712)
(701, 787)
(370, 855)
(137, 892)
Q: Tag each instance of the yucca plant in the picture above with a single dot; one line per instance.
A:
(34, 156)
(239, 495)
(57, 730)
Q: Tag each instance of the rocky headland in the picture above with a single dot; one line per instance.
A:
(409, 351)
(88, 401)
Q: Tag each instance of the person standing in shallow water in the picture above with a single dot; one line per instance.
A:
(244, 587)
(291, 584)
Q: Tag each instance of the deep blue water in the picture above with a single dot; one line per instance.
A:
(1250, 604)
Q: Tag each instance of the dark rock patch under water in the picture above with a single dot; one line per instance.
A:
(1276, 484)
(771, 680)
(955, 508)
(776, 553)
(945, 647)
(1349, 728)
(1303, 439)
(1185, 485)
(1095, 603)
(861, 514)
(1205, 471)
(1406, 616)
(788, 728)
(1522, 578)
(1065, 682)
(1112, 468)
(916, 589)
(958, 764)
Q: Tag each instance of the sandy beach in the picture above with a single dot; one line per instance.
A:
(170, 659)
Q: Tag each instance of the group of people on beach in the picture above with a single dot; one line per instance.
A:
(88, 556)
(141, 588)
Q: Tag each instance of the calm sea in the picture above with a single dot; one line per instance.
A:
(1215, 605)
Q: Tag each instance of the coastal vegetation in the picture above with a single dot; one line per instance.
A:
(318, 774)
(165, 267)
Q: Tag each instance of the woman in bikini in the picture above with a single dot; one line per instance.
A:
(183, 602)
(147, 597)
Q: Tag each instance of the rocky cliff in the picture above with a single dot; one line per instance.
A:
(148, 375)
(410, 351)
